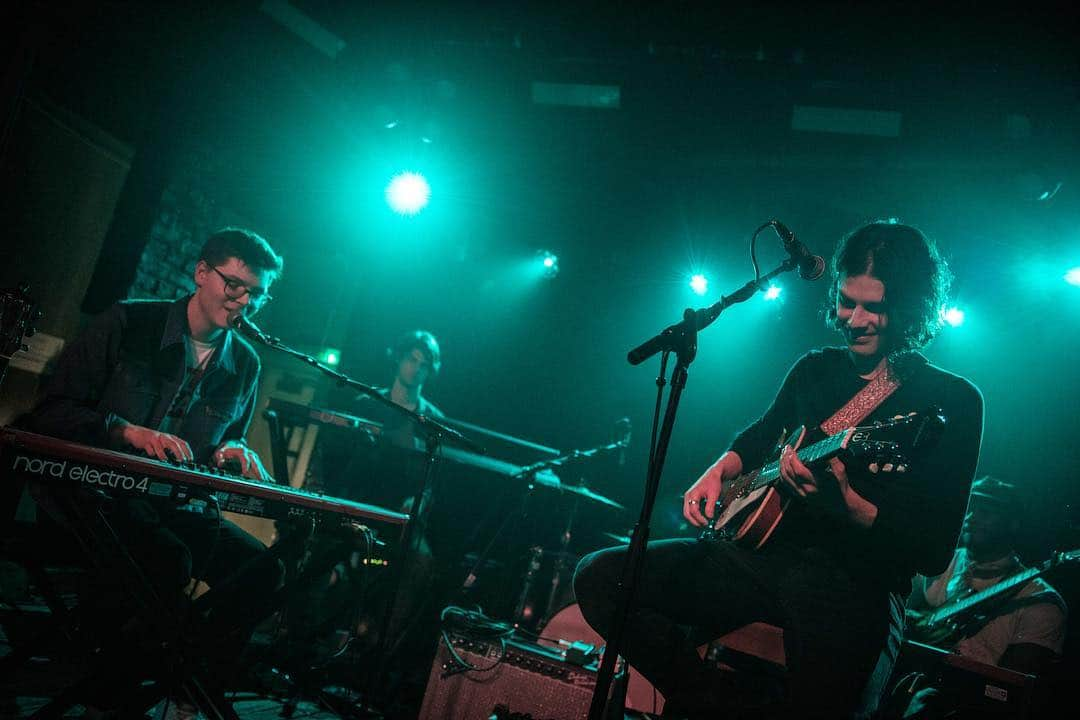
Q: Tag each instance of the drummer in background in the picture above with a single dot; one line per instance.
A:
(387, 471)
(382, 475)
(416, 358)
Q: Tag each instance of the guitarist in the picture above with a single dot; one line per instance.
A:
(834, 573)
(1022, 629)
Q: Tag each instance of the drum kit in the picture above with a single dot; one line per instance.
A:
(515, 556)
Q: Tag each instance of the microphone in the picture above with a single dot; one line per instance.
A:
(250, 330)
(811, 267)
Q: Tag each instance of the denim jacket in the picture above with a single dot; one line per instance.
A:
(129, 363)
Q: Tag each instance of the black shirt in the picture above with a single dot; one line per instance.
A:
(919, 511)
(129, 363)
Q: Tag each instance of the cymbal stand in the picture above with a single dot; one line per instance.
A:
(560, 564)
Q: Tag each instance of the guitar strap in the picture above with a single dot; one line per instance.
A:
(864, 402)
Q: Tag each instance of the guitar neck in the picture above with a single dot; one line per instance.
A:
(811, 455)
(961, 606)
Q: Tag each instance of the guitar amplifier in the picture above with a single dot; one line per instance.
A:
(968, 688)
(505, 679)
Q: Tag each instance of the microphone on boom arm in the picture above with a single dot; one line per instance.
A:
(811, 267)
(250, 330)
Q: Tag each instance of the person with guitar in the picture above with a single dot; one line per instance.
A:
(170, 380)
(1006, 615)
(848, 521)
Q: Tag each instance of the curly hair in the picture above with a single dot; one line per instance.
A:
(915, 276)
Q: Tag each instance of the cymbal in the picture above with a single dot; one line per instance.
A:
(548, 479)
(587, 493)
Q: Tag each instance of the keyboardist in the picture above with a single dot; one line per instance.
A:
(415, 357)
(171, 380)
(389, 471)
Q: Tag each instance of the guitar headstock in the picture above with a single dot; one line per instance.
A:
(886, 445)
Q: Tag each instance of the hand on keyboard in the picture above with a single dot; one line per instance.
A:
(154, 443)
(239, 455)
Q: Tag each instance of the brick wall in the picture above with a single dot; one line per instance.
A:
(186, 215)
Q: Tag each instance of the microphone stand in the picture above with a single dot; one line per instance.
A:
(680, 338)
(434, 433)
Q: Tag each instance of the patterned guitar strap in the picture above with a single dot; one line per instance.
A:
(864, 402)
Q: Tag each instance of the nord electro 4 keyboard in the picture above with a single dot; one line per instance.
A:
(30, 456)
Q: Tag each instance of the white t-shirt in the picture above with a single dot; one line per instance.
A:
(1038, 623)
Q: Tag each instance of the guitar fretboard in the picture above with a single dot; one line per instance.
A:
(961, 606)
(821, 450)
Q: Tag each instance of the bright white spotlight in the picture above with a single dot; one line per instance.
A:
(1073, 276)
(549, 263)
(773, 292)
(699, 284)
(953, 316)
(408, 193)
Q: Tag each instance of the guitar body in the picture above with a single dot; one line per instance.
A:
(749, 515)
(941, 634)
(751, 506)
(751, 519)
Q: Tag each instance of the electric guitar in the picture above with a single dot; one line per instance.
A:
(963, 617)
(751, 506)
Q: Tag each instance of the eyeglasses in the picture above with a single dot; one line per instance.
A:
(236, 289)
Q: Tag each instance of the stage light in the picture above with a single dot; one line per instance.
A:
(549, 263)
(1073, 276)
(408, 193)
(330, 356)
(699, 284)
(773, 292)
(953, 316)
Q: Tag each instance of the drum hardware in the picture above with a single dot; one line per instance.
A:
(536, 552)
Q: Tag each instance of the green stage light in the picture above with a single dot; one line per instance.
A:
(549, 263)
(953, 316)
(408, 193)
(699, 284)
(773, 292)
(330, 356)
(1073, 276)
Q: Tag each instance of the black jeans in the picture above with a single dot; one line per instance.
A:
(173, 546)
(691, 592)
(143, 606)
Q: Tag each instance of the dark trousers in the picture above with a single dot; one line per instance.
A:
(169, 547)
(691, 592)
(174, 546)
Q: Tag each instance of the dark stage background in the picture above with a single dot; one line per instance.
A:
(194, 115)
